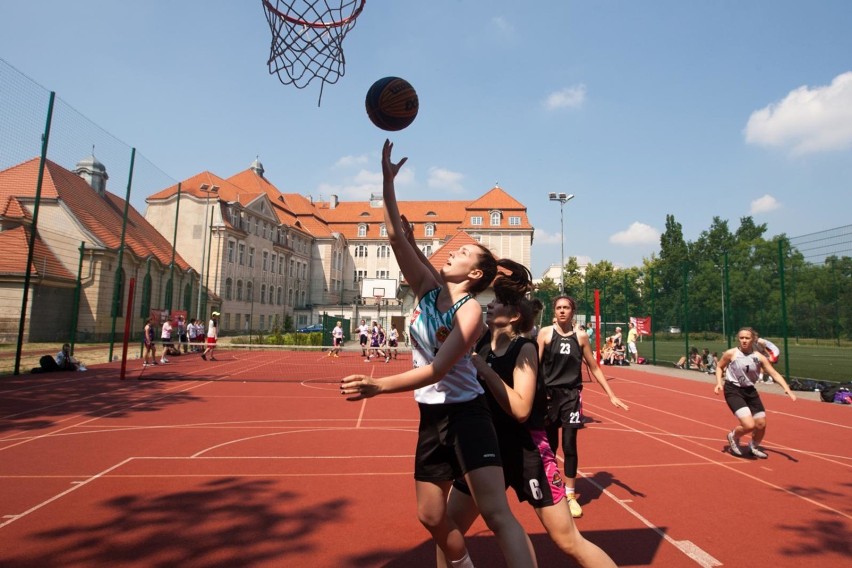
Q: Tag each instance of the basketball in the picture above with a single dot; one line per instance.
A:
(392, 103)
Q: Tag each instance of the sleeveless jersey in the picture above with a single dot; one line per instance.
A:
(429, 328)
(504, 366)
(561, 362)
(744, 370)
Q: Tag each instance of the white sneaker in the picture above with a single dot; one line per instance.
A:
(734, 445)
(574, 506)
(756, 451)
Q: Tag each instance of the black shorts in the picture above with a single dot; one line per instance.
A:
(741, 397)
(392, 342)
(338, 341)
(529, 467)
(454, 439)
(565, 407)
(363, 339)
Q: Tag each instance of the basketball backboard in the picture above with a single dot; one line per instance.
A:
(378, 288)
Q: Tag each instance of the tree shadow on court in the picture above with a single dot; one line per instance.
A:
(41, 401)
(817, 538)
(226, 522)
(630, 547)
(591, 487)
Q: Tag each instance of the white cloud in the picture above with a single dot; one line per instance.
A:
(569, 97)
(349, 161)
(806, 120)
(541, 237)
(636, 234)
(363, 184)
(440, 178)
(503, 25)
(764, 204)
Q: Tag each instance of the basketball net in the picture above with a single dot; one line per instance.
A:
(307, 39)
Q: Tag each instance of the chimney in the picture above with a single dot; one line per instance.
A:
(332, 202)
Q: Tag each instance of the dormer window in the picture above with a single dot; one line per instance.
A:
(383, 231)
(430, 230)
(495, 218)
(362, 230)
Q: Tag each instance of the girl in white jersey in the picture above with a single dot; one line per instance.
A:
(740, 369)
(456, 435)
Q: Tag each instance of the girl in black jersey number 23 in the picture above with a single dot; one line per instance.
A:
(561, 351)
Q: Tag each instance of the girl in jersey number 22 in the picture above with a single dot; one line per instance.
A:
(739, 369)
(507, 362)
(562, 348)
(456, 436)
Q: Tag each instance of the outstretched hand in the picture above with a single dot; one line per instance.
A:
(359, 386)
(616, 402)
(388, 167)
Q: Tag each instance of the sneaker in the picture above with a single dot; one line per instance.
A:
(203, 356)
(574, 506)
(336, 355)
(735, 445)
(756, 451)
(330, 354)
(212, 358)
(367, 360)
(387, 359)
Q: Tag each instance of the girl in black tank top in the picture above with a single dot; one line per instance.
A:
(561, 362)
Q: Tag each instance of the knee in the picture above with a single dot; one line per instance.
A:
(430, 518)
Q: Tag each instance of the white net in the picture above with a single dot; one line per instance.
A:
(307, 39)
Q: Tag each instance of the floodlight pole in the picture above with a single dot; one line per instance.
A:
(207, 189)
(562, 198)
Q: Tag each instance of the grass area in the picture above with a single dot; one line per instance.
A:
(814, 361)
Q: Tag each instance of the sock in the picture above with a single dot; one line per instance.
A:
(463, 562)
(569, 492)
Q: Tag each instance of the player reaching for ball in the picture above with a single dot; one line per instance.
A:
(507, 362)
(456, 436)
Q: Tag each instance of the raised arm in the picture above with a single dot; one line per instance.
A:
(415, 272)
(518, 401)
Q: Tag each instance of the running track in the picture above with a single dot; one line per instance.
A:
(255, 460)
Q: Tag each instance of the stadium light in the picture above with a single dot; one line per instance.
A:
(562, 198)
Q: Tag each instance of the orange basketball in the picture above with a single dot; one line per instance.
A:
(392, 103)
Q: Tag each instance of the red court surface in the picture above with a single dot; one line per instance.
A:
(256, 460)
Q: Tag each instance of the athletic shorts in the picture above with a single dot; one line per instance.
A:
(454, 439)
(211, 341)
(338, 341)
(631, 347)
(392, 342)
(565, 407)
(741, 397)
(363, 339)
(529, 467)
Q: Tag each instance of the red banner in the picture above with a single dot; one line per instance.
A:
(643, 325)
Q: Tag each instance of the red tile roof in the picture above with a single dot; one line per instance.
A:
(459, 239)
(15, 244)
(101, 216)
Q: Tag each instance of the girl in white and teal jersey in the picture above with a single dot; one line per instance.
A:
(456, 437)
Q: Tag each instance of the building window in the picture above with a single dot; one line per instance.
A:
(262, 295)
(242, 254)
(226, 322)
(495, 219)
(360, 275)
(280, 295)
(261, 321)
(229, 284)
(383, 231)
(427, 250)
(249, 291)
(361, 251)
(265, 261)
(271, 294)
(272, 260)
(476, 221)
(251, 257)
(362, 230)
(514, 221)
(239, 290)
(430, 230)
(382, 274)
(290, 297)
(384, 251)
(231, 246)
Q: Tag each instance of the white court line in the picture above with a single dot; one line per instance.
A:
(120, 407)
(738, 471)
(77, 485)
(240, 440)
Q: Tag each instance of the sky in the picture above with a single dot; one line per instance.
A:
(639, 108)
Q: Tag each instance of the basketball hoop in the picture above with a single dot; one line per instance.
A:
(307, 39)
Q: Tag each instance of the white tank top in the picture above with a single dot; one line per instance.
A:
(429, 328)
(744, 370)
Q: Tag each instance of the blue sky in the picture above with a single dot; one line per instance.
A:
(639, 108)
